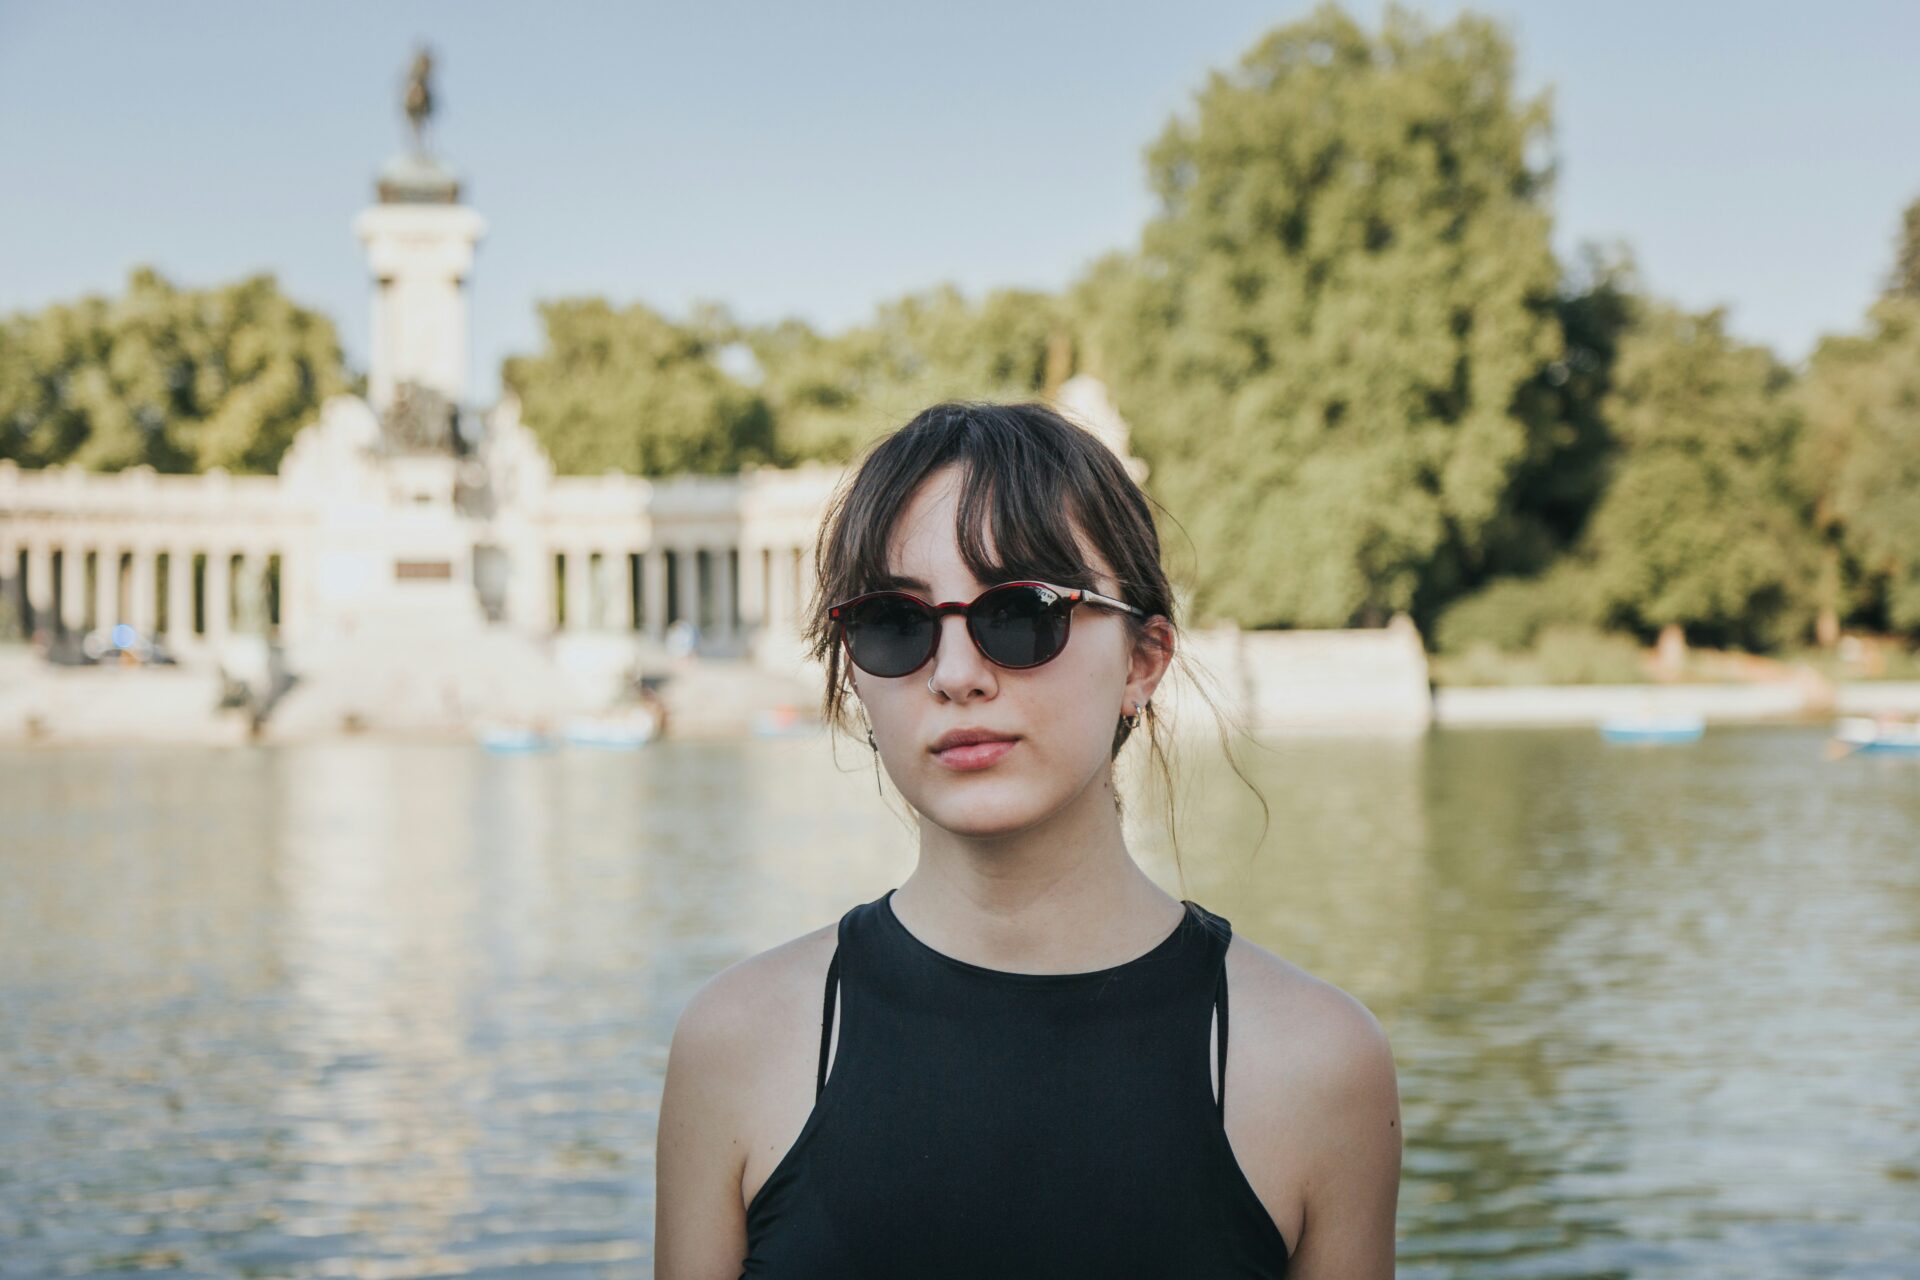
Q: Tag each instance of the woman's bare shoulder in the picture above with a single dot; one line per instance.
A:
(1325, 1026)
(741, 1027)
(1312, 1074)
(755, 994)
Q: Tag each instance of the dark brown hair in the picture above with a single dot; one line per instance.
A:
(1031, 477)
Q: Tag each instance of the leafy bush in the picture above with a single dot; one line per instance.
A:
(1509, 614)
(1575, 654)
(1563, 653)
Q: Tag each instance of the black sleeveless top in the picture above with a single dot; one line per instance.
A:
(982, 1123)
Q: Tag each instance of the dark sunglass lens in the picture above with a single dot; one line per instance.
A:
(889, 635)
(1020, 626)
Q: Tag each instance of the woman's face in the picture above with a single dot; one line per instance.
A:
(1062, 714)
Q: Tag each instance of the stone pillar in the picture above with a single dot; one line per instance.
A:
(241, 583)
(687, 583)
(600, 591)
(779, 592)
(753, 587)
(40, 583)
(73, 587)
(629, 610)
(179, 595)
(141, 589)
(723, 582)
(250, 592)
(575, 571)
(288, 580)
(219, 593)
(10, 569)
(808, 575)
(106, 585)
(419, 255)
(653, 587)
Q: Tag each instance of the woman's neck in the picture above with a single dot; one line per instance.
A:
(1062, 897)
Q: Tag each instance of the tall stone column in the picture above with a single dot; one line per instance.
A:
(779, 593)
(420, 252)
(653, 588)
(626, 616)
(239, 585)
(10, 569)
(290, 587)
(600, 589)
(574, 572)
(753, 587)
(179, 595)
(250, 592)
(687, 583)
(141, 589)
(723, 581)
(40, 582)
(809, 578)
(219, 593)
(106, 585)
(73, 587)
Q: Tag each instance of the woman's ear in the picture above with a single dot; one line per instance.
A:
(1152, 656)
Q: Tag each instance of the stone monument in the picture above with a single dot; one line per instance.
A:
(419, 241)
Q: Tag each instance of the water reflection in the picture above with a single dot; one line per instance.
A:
(402, 1010)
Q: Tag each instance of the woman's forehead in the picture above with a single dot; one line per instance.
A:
(923, 546)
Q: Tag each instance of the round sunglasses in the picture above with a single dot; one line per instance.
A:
(1013, 624)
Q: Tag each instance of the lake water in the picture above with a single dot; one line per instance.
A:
(385, 1011)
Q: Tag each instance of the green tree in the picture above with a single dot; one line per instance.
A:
(178, 379)
(1563, 473)
(1905, 280)
(1322, 339)
(1861, 455)
(831, 394)
(1703, 523)
(630, 390)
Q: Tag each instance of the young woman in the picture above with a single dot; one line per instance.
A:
(1014, 1063)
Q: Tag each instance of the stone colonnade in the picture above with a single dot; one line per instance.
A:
(74, 581)
(306, 556)
(726, 590)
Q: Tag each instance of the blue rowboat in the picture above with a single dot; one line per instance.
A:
(1886, 737)
(619, 732)
(504, 739)
(1677, 726)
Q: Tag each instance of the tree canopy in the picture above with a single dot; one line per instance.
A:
(627, 389)
(831, 394)
(1862, 454)
(178, 379)
(1321, 338)
(1702, 523)
(1361, 378)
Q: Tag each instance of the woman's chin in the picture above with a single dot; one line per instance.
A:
(986, 812)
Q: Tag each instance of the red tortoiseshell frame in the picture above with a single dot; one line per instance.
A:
(1073, 595)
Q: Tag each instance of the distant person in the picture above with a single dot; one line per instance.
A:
(683, 637)
(1013, 1064)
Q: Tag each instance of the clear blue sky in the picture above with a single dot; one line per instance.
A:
(815, 158)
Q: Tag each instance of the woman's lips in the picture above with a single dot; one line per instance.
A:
(975, 755)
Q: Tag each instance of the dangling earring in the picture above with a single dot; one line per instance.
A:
(876, 763)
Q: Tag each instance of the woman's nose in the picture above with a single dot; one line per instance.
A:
(957, 662)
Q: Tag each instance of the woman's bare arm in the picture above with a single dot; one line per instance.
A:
(1351, 1132)
(699, 1224)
